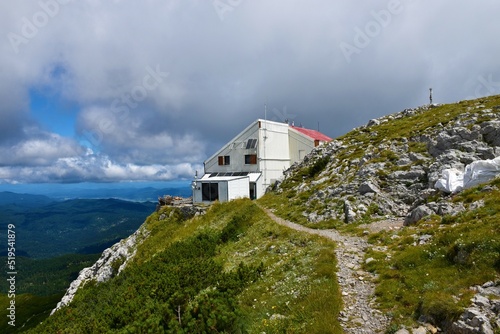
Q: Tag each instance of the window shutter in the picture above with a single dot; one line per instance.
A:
(221, 160)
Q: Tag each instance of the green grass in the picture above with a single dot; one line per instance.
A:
(295, 291)
(434, 279)
(420, 123)
(373, 142)
(30, 311)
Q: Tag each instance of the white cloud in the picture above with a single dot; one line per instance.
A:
(39, 149)
(286, 54)
(95, 169)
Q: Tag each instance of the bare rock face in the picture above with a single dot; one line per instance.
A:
(483, 315)
(368, 187)
(112, 261)
(418, 213)
(491, 132)
(394, 177)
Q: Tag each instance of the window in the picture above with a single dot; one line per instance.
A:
(209, 191)
(253, 190)
(224, 160)
(251, 143)
(250, 159)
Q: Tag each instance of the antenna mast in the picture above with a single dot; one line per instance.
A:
(264, 144)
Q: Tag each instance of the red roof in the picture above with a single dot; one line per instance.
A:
(316, 135)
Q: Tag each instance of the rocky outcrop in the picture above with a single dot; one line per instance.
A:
(112, 261)
(394, 177)
(187, 211)
(483, 315)
(418, 213)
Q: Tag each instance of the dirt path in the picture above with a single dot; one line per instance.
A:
(358, 315)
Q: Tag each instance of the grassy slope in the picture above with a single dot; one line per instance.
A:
(373, 140)
(432, 280)
(298, 283)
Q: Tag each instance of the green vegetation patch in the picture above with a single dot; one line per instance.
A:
(30, 311)
(40, 285)
(232, 270)
(429, 269)
(45, 277)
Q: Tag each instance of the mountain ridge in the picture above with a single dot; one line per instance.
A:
(439, 272)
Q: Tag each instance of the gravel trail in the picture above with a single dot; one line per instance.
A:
(358, 316)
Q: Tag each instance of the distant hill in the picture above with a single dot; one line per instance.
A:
(132, 191)
(57, 239)
(24, 200)
(131, 194)
(72, 226)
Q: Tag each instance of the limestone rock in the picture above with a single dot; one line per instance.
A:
(368, 187)
(482, 316)
(418, 213)
(491, 132)
(448, 208)
(373, 122)
(112, 261)
(402, 331)
(349, 214)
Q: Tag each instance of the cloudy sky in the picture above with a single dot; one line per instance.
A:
(107, 91)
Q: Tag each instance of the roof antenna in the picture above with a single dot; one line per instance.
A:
(265, 111)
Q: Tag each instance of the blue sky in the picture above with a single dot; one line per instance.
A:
(53, 113)
(118, 91)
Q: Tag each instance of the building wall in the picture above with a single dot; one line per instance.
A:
(238, 188)
(236, 150)
(300, 145)
(196, 187)
(278, 146)
(228, 189)
(273, 152)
